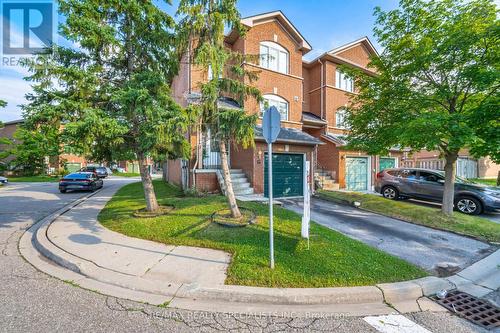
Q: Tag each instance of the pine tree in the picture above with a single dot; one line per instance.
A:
(111, 92)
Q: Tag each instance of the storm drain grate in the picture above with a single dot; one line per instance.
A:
(471, 308)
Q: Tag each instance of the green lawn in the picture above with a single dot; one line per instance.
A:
(333, 259)
(490, 182)
(473, 226)
(33, 179)
(126, 174)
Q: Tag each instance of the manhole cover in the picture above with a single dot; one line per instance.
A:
(471, 308)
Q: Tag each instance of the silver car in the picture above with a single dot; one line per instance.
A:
(428, 185)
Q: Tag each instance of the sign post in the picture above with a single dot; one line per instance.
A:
(306, 217)
(271, 126)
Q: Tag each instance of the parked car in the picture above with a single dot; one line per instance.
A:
(80, 181)
(428, 185)
(101, 172)
(3, 180)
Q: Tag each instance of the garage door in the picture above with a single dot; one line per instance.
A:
(356, 173)
(288, 175)
(387, 163)
(73, 167)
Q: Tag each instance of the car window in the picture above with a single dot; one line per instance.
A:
(76, 176)
(393, 173)
(408, 174)
(429, 177)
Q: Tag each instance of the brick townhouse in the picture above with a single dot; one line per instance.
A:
(310, 97)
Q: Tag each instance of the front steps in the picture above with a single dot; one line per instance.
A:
(241, 186)
(325, 182)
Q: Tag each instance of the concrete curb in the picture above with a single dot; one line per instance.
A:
(35, 247)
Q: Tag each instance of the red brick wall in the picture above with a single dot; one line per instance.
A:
(357, 54)
(243, 159)
(207, 181)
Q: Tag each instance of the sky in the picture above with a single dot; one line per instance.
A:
(324, 24)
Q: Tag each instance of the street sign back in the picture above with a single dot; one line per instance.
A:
(271, 124)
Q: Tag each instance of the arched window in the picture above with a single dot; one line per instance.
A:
(340, 118)
(274, 56)
(273, 100)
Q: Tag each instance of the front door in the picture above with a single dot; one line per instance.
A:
(288, 175)
(211, 152)
(356, 173)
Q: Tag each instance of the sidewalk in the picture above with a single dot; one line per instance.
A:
(193, 278)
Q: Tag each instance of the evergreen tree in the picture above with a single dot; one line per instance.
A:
(110, 93)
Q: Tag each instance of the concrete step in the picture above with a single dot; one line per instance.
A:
(244, 192)
(236, 171)
(239, 179)
(241, 186)
(238, 175)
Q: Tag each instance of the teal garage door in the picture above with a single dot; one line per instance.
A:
(73, 167)
(386, 163)
(356, 173)
(288, 175)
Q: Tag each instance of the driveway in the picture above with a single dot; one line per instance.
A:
(422, 246)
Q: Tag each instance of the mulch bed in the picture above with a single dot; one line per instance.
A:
(223, 218)
(143, 213)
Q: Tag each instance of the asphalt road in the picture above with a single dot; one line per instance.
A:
(424, 247)
(31, 301)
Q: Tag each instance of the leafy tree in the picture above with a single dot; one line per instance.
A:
(3, 140)
(202, 24)
(34, 148)
(111, 93)
(436, 86)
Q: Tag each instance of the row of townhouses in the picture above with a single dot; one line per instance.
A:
(311, 97)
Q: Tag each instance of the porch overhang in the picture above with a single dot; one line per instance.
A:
(312, 120)
(290, 136)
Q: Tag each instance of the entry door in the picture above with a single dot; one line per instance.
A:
(356, 173)
(386, 163)
(211, 152)
(288, 175)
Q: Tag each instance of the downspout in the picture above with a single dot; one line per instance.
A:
(199, 126)
(322, 88)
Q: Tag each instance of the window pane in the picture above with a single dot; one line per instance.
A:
(264, 52)
(283, 109)
(337, 79)
(283, 63)
(273, 59)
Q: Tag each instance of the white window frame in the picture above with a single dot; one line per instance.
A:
(341, 113)
(282, 55)
(277, 101)
(343, 82)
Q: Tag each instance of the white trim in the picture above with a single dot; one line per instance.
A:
(352, 44)
(369, 186)
(251, 21)
(273, 71)
(205, 170)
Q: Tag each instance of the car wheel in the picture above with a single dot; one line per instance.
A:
(92, 188)
(468, 205)
(390, 192)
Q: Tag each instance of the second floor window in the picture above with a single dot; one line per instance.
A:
(340, 119)
(272, 100)
(343, 82)
(274, 57)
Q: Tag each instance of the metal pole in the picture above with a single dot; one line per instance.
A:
(270, 191)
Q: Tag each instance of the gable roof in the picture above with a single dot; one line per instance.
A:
(363, 41)
(278, 15)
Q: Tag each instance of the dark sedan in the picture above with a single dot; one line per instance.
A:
(422, 184)
(101, 172)
(80, 181)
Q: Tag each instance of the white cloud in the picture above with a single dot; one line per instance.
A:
(12, 90)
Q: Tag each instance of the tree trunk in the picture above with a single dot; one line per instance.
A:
(147, 184)
(164, 170)
(449, 182)
(498, 179)
(233, 205)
